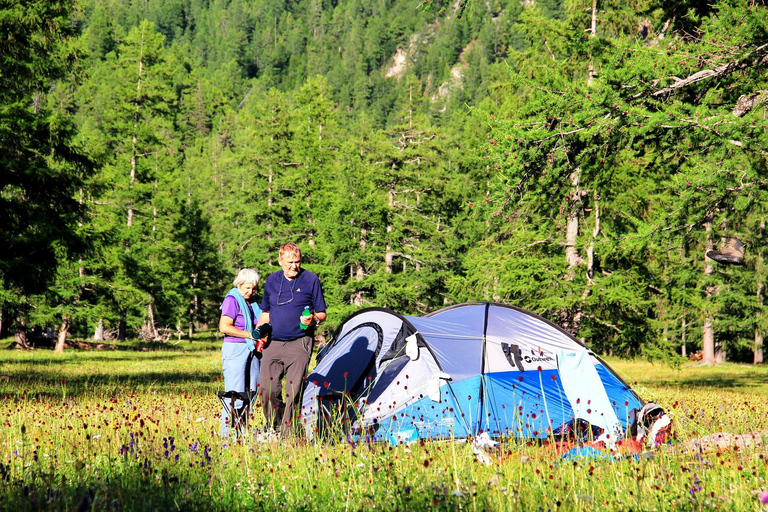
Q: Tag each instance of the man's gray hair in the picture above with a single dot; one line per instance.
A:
(247, 275)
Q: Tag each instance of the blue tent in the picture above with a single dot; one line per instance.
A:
(458, 372)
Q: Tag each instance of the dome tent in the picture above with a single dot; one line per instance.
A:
(459, 371)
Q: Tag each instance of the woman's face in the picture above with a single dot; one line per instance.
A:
(247, 290)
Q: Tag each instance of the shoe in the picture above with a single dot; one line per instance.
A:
(732, 253)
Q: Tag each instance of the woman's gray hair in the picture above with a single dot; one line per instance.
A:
(247, 275)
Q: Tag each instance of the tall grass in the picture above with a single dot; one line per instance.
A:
(139, 431)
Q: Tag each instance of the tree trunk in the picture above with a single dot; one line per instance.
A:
(593, 31)
(151, 317)
(358, 272)
(134, 141)
(66, 323)
(357, 297)
(98, 335)
(389, 256)
(196, 311)
(193, 309)
(572, 257)
(758, 345)
(682, 339)
(708, 330)
(121, 327)
(595, 233)
(20, 336)
(708, 341)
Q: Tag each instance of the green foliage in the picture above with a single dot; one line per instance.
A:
(44, 169)
(656, 159)
(421, 154)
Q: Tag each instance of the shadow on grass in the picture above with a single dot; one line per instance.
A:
(50, 359)
(49, 384)
(45, 345)
(747, 380)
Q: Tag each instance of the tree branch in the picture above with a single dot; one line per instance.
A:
(603, 322)
(717, 72)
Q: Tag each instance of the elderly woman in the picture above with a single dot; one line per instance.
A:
(237, 322)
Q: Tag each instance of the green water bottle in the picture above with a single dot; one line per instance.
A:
(306, 312)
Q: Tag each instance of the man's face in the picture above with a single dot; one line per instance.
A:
(291, 264)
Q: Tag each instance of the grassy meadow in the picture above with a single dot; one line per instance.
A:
(133, 430)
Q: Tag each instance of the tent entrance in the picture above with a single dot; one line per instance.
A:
(585, 391)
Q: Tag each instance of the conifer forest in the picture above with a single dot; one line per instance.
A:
(576, 158)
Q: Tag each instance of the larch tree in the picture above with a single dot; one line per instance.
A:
(662, 150)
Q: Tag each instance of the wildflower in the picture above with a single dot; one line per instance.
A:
(764, 498)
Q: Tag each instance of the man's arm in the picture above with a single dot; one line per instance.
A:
(263, 319)
(313, 319)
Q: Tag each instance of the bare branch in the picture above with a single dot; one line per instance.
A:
(717, 72)
(532, 244)
(603, 322)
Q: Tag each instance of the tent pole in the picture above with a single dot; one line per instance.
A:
(481, 397)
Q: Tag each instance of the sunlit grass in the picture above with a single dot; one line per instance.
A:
(139, 431)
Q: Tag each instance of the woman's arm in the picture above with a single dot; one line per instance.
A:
(227, 327)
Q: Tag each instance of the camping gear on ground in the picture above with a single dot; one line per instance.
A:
(732, 253)
(650, 425)
(458, 372)
(238, 404)
(577, 431)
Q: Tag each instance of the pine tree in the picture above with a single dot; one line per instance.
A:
(43, 167)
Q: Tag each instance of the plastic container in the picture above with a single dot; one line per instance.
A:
(305, 313)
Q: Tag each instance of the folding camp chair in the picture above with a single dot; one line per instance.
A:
(238, 416)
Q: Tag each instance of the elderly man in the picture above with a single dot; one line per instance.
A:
(287, 293)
